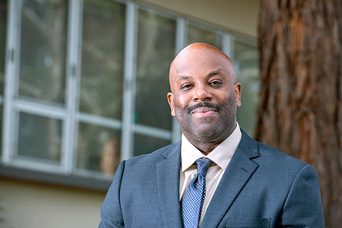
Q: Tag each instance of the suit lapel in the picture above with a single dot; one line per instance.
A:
(168, 187)
(234, 179)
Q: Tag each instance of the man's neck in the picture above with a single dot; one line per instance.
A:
(206, 146)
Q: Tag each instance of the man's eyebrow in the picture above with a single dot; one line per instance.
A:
(215, 72)
(183, 77)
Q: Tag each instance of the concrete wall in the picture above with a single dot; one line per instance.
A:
(32, 205)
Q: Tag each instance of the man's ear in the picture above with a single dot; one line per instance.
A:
(237, 90)
(171, 103)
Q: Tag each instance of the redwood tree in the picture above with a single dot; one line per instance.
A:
(300, 109)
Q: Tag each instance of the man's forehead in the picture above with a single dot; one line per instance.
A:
(199, 49)
(179, 75)
(203, 56)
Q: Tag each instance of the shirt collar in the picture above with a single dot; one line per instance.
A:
(221, 155)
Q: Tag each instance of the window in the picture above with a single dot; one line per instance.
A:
(3, 28)
(42, 50)
(246, 68)
(86, 82)
(41, 79)
(101, 87)
(156, 49)
(198, 33)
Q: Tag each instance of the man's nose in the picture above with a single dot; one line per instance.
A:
(202, 94)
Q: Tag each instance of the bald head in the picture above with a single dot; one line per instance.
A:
(204, 53)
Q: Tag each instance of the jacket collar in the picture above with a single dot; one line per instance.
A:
(237, 174)
(168, 186)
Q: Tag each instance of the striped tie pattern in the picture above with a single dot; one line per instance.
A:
(193, 198)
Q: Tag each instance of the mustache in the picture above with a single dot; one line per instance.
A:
(204, 104)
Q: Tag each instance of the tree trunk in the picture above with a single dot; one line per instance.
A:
(300, 109)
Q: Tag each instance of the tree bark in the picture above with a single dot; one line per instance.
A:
(300, 107)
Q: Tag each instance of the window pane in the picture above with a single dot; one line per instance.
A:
(39, 137)
(196, 34)
(156, 49)
(1, 124)
(98, 148)
(247, 72)
(102, 58)
(144, 144)
(43, 49)
(3, 27)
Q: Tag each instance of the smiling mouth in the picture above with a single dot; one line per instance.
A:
(203, 107)
(204, 112)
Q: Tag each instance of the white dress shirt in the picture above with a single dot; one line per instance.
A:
(220, 156)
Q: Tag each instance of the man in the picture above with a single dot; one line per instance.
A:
(217, 176)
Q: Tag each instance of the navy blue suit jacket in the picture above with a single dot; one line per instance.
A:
(261, 187)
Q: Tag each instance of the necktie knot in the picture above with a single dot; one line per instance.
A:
(202, 166)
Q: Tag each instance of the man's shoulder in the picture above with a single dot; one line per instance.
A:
(277, 156)
(274, 162)
(272, 156)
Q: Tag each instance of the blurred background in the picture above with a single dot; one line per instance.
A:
(83, 86)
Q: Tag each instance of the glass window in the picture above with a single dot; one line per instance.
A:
(43, 49)
(92, 141)
(39, 137)
(1, 125)
(101, 88)
(247, 72)
(3, 28)
(98, 148)
(102, 58)
(197, 34)
(144, 144)
(156, 49)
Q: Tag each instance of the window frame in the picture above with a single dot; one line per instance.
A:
(69, 113)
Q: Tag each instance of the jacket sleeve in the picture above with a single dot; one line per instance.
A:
(303, 205)
(111, 214)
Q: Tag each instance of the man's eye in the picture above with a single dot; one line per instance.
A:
(186, 86)
(216, 82)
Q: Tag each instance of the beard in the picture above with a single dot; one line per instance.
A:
(208, 129)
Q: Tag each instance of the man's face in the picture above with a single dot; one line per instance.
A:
(204, 97)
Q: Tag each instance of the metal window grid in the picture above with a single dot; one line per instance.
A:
(69, 114)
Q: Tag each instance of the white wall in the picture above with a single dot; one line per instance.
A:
(32, 205)
(236, 15)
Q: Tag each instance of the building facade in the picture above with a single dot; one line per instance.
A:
(83, 86)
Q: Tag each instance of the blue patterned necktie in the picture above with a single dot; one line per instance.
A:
(193, 198)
